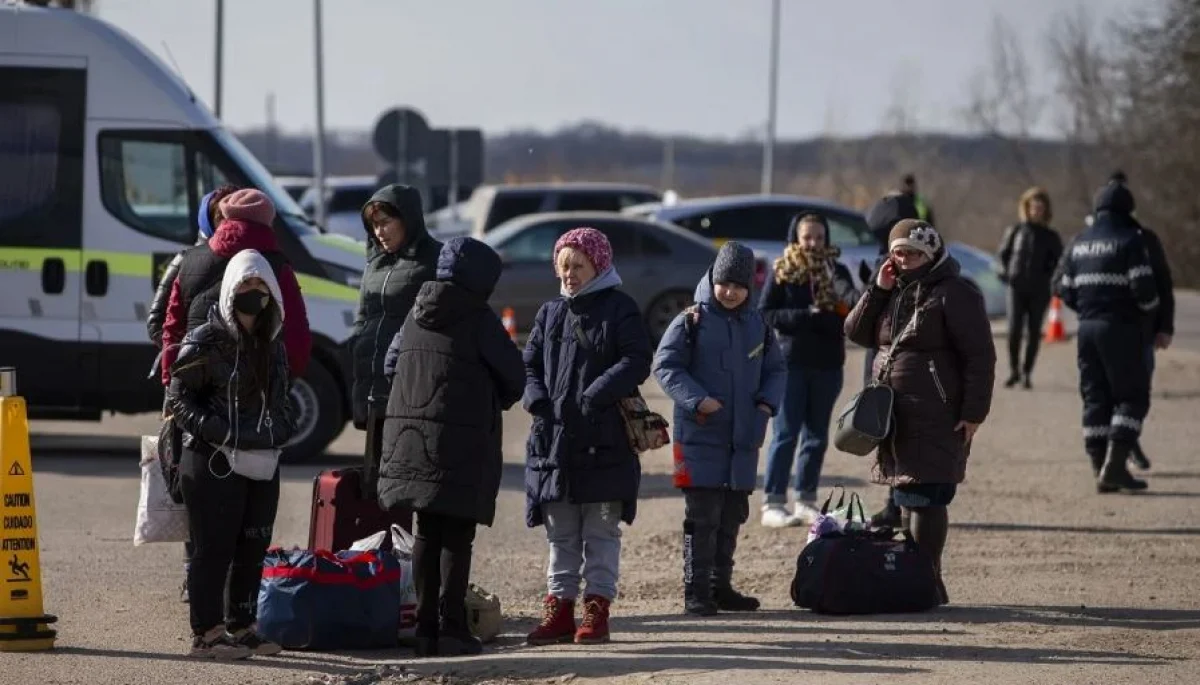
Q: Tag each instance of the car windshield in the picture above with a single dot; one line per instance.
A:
(285, 206)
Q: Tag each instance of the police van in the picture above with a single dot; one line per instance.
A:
(104, 156)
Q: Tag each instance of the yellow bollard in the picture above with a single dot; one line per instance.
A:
(24, 627)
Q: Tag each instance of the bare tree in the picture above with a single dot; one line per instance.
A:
(1003, 102)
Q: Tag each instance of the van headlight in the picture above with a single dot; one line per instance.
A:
(343, 275)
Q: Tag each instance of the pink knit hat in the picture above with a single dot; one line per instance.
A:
(592, 243)
(249, 205)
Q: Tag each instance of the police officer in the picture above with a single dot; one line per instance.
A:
(1162, 322)
(1107, 280)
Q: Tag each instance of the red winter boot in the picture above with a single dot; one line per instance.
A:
(558, 622)
(593, 629)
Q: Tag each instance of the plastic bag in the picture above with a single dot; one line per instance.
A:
(841, 519)
(159, 518)
(400, 543)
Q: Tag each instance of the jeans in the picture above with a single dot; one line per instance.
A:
(442, 572)
(803, 419)
(1025, 314)
(231, 521)
(585, 543)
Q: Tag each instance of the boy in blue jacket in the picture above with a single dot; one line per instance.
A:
(721, 366)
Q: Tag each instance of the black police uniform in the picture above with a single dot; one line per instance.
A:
(1107, 280)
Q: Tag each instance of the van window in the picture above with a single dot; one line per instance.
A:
(28, 157)
(144, 183)
(41, 157)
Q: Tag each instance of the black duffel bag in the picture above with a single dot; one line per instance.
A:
(865, 572)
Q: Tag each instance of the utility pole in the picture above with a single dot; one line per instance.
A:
(319, 141)
(218, 55)
(668, 164)
(768, 170)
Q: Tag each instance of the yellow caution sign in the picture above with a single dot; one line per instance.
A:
(24, 627)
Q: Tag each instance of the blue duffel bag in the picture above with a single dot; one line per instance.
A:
(325, 601)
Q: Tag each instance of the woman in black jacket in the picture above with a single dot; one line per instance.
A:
(442, 435)
(401, 256)
(229, 394)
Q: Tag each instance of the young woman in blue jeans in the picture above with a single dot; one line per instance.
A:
(806, 303)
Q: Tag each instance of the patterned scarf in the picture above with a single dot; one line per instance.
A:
(799, 265)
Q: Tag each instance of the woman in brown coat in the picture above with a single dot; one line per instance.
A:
(936, 352)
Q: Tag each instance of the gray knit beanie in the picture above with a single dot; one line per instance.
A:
(735, 264)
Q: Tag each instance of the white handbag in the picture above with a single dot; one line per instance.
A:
(159, 518)
(253, 464)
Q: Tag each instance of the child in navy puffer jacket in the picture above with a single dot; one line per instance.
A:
(719, 362)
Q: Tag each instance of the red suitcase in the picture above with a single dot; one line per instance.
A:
(341, 515)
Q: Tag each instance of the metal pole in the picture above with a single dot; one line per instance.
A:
(768, 170)
(319, 140)
(8, 381)
(218, 57)
(668, 172)
(453, 198)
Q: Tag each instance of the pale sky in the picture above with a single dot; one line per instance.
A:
(667, 66)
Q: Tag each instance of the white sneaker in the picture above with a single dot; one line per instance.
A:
(776, 516)
(805, 513)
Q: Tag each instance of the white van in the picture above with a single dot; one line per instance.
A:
(104, 156)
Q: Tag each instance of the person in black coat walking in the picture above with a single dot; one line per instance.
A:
(1029, 253)
(442, 432)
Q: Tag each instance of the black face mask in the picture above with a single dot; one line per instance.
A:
(251, 302)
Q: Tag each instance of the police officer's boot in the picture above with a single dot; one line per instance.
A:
(1139, 457)
(1114, 474)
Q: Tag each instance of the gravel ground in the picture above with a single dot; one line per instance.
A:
(1049, 582)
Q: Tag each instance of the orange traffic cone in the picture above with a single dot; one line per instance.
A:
(509, 318)
(1054, 325)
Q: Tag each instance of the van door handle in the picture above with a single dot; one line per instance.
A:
(54, 276)
(96, 278)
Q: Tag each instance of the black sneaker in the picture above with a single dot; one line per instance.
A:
(257, 644)
(728, 599)
(218, 644)
(1013, 379)
(1027, 381)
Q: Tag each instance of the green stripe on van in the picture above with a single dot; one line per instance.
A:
(345, 244)
(122, 263)
(312, 286)
(32, 258)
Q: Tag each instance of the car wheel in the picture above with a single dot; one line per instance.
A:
(663, 310)
(317, 403)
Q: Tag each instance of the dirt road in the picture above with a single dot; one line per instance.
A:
(1049, 582)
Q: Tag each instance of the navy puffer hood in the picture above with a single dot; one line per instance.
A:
(470, 264)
